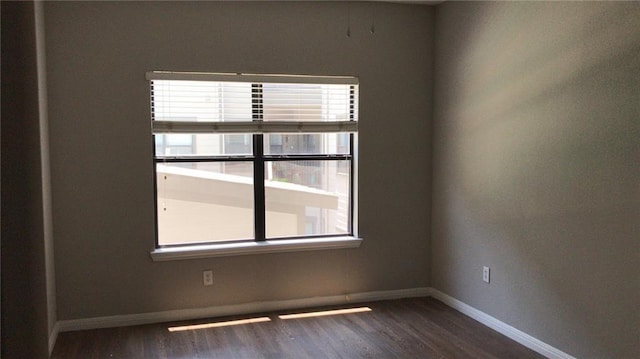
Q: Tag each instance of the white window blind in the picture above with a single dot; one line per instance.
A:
(191, 103)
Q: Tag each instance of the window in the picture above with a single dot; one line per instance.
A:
(253, 158)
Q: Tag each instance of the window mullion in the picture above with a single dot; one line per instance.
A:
(258, 166)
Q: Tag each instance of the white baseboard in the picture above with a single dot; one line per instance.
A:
(280, 305)
(501, 327)
(234, 309)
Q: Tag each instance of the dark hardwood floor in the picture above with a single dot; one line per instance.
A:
(404, 328)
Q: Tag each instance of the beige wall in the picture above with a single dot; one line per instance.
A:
(97, 56)
(536, 129)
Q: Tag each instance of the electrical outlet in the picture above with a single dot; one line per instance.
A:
(485, 274)
(207, 277)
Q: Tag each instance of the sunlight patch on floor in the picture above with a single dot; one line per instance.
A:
(325, 313)
(219, 324)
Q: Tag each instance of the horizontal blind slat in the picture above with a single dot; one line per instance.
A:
(192, 127)
(225, 103)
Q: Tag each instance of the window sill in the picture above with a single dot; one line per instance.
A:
(246, 248)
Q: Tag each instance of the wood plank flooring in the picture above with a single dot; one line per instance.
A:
(404, 328)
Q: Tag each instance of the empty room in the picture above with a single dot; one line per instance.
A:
(320, 179)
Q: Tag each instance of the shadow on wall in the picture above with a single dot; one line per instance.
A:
(559, 124)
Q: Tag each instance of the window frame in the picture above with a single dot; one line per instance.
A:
(260, 243)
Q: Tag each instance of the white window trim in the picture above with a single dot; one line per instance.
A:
(264, 78)
(253, 247)
(208, 250)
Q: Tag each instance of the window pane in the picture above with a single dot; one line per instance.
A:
(306, 102)
(307, 198)
(203, 144)
(204, 202)
(304, 144)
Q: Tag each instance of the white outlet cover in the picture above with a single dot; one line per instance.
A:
(207, 277)
(486, 274)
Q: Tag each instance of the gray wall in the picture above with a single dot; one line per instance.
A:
(28, 285)
(97, 56)
(536, 128)
(45, 167)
